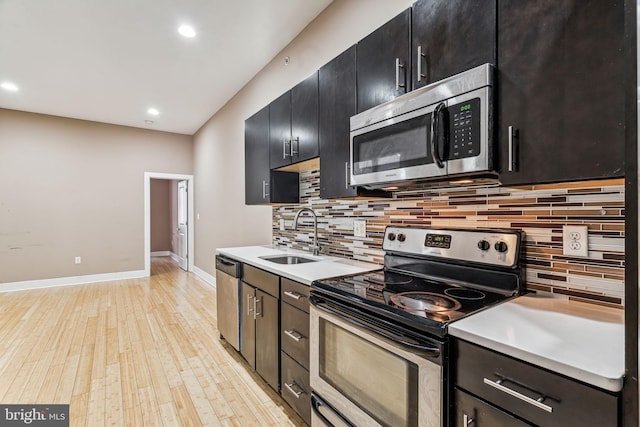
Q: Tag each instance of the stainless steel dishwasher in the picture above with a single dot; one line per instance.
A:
(229, 288)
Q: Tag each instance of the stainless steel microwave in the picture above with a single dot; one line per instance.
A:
(440, 131)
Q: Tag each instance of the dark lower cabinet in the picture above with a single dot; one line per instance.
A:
(526, 393)
(262, 185)
(560, 90)
(383, 62)
(471, 411)
(449, 37)
(295, 388)
(260, 323)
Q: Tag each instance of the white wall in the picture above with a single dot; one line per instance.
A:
(219, 145)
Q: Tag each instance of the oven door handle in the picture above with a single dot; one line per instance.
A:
(413, 347)
(317, 403)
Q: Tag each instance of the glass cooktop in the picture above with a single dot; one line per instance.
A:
(421, 303)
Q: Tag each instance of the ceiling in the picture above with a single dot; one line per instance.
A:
(110, 61)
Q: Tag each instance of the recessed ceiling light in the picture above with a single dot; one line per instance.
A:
(153, 111)
(187, 31)
(8, 86)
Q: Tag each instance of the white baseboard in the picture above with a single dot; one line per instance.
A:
(174, 257)
(204, 276)
(161, 253)
(73, 280)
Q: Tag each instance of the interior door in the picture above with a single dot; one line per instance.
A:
(182, 225)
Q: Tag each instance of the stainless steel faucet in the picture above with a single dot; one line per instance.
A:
(316, 247)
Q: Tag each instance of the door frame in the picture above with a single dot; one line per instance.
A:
(148, 176)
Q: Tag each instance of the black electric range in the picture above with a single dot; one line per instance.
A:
(432, 277)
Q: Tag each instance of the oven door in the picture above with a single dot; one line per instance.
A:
(371, 373)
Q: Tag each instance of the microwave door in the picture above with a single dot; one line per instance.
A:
(397, 149)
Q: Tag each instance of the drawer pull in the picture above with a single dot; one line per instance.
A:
(297, 394)
(294, 295)
(295, 335)
(537, 403)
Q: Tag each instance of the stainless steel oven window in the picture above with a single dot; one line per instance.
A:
(379, 382)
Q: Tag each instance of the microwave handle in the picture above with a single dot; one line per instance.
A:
(435, 124)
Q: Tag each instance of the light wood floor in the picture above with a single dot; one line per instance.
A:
(131, 353)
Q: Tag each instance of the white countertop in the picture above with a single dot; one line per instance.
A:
(580, 340)
(325, 267)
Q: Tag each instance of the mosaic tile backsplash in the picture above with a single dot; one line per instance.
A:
(540, 211)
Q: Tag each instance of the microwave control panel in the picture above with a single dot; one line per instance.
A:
(464, 129)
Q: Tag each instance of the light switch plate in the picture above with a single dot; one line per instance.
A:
(575, 240)
(78, 260)
(360, 228)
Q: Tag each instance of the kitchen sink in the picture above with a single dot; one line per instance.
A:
(287, 259)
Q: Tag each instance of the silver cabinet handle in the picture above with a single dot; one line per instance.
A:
(255, 308)
(291, 150)
(294, 295)
(284, 148)
(249, 309)
(295, 335)
(297, 394)
(421, 57)
(535, 402)
(466, 420)
(346, 175)
(398, 66)
(265, 184)
(511, 149)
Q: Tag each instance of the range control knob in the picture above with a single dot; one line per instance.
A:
(391, 236)
(401, 237)
(483, 245)
(501, 247)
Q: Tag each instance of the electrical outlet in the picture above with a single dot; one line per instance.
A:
(360, 228)
(78, 260)
(281, 224)
(575, 240)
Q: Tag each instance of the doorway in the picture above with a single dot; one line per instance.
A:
(183, 253)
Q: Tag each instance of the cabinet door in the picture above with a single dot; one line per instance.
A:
(304, 119)
(337, 103)
(267, 338)
(451, 36)
(379, 79)
(280, 131)
(470, 411)
(256, 153)
(248, 325)
(561, 88)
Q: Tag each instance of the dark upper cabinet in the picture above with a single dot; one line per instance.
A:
(263, 186)
(256, 151)
(560, 90)
(280, 131)
(294, 124)
(337, 83)
(337, 103)
(383, 62)
(449, 37)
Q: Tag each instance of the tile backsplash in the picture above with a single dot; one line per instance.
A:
(540, 211)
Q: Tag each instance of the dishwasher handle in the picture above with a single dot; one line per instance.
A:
(229, 266)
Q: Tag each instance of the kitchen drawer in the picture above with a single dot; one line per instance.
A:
(295, 387)
(296, 294)
(478, 371)
(295, 333)
(270, 283)
(481, 414)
